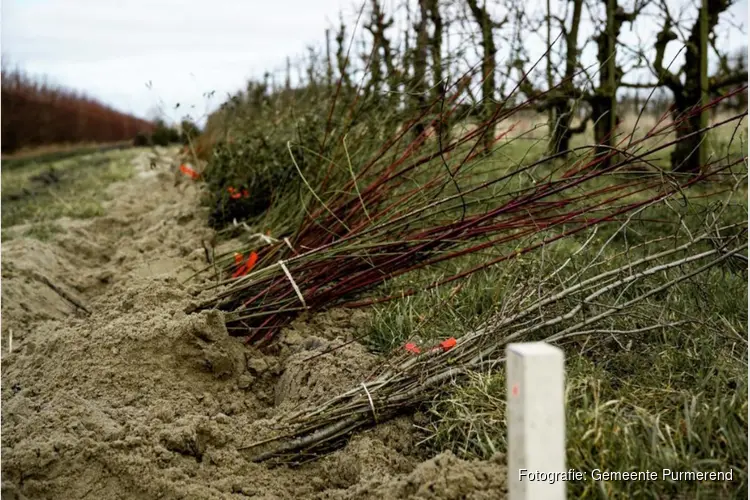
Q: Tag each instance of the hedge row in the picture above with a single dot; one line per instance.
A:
(35, 114)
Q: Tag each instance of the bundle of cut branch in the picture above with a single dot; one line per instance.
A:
(554, 310)
(402, 221)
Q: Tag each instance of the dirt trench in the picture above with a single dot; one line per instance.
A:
(112, 391)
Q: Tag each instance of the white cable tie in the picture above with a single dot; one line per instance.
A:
(262, 237)
(372, 405)
(266, 239)
(294, 285)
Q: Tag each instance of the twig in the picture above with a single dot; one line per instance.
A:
(63, 293)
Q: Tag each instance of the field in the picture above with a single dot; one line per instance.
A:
(113, 390)
(313, 297)
(309, 291)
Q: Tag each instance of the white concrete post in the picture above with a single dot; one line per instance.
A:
(536, 421)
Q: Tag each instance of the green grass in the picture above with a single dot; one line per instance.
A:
(619, 419)
(44, 156)
(74, 187)
(672, 398)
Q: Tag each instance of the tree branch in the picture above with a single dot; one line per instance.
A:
(640, 85)
(665, 36)
(717, 82)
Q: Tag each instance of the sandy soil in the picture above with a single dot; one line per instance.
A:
(112, 391)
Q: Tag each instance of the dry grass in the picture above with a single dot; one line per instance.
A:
(41, 191)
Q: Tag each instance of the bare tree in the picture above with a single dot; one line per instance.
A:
(694, 87)
(436, 47)
(489, 64)
(419, 60)
(342, 57)
(438, 82)
(561, 98)
(550, 78)
(604, 99)
(382, 52)
(563, 131)
(375, 83)
(329, 61)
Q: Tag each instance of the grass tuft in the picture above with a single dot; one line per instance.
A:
(74, 187)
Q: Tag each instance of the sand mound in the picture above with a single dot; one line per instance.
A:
(40, 281)
(311, 377)
(137, 399)
(444, 477)
(136, 389)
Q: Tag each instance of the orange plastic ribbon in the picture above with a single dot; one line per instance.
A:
(189, 172)
(247, 267)
(448, 344)
(237, 194)
(412, 348)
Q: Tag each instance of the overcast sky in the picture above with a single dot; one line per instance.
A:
(111, 49)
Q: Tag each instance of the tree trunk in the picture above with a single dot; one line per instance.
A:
(482, 18)
(689, 154)
(419, 82)
(550, 79)
(342, 58)
(375, 84)
(561, 134)
(685, 157)
(329, 62)
(436, 50)
(604, 103)
(288, 79)
(392, 76)
(436, 47)
(703, 148)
